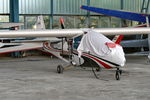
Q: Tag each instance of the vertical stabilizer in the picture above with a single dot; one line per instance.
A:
(40, 23)
(118, 38)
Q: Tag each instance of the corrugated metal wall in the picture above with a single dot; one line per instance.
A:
(34, 6)
(133, 5)
(110, 4)
(4, 8)
(67, 6)
(44, 6)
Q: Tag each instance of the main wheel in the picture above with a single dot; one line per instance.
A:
(117, 75)
(60, 69)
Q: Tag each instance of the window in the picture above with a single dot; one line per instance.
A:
(4, 18)
(104, 21)
(30, 22)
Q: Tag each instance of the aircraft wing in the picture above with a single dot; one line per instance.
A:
(119, 13)
(8, 25)
(71, 32)
(13, 47)
(51, 39)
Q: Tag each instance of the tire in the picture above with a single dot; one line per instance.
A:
(117, 75)
(60, 69)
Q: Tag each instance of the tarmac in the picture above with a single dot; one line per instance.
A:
(35, 78)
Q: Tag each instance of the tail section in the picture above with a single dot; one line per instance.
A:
(40, 23)
(117, 39)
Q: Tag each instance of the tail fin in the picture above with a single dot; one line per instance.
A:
(61, 20)
(118, 38)
(40, 23)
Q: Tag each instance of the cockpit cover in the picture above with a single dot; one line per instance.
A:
(94, 43)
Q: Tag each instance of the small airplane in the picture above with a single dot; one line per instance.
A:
(94, 45)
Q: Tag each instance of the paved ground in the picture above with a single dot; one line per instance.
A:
(35, 78)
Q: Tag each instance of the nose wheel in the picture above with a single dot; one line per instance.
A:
(118, 74)
(60, 69)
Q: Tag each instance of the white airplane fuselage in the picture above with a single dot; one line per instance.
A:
(102, 50)
(117, 56)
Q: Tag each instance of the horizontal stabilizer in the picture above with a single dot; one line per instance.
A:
(135, 43)
(144, 53)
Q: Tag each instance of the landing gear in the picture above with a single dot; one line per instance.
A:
(96, 71)
(60, 69)
(118, 73)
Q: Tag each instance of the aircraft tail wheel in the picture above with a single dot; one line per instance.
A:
(98, 69)
(60, 69)
(117, 75)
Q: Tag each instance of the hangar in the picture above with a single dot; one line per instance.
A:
(35, 78)
(26, 11)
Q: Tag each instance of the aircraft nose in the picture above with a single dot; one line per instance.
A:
(121, 56)
(120, 59)
(122, 62)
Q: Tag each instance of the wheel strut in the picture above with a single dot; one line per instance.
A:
(118, 73)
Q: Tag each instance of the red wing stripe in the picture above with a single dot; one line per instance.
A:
(102, 63)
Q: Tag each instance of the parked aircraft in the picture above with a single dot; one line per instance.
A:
(107, 54)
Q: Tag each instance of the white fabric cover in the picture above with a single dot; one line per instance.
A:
(94, 43)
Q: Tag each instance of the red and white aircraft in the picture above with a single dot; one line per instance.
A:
(94, 45)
